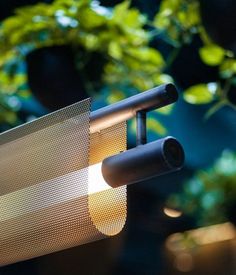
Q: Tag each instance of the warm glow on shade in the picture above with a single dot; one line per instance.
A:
(96, 182)
(52, 194)
(65, 188)
(172, 212)
(202, 236)
(184, 262)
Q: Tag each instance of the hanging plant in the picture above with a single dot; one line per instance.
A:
(120, 39)
(117, 34)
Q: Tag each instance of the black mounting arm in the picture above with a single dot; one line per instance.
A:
(146, 160)
(133, 106)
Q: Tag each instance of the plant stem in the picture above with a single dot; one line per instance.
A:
(172, 56)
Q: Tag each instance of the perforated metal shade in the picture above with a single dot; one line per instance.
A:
(45, 205)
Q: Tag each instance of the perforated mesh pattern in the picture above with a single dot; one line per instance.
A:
(44, 202)
(108, 208)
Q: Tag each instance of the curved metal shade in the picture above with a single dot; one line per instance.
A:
(45, 205)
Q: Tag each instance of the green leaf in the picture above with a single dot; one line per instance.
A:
(134, 19)
(141, 83)
(120, 10)
(228, 68)
(166, 110)
(90, 41)
(20, 79)
(147, 54)
(178, 20)
(152, 125)
(167, 9)
(159, 79)
(114, 96)
(89, 19)
(115, 50)
(8, 117)
(156, 126)
(201, 93)
(212, 55)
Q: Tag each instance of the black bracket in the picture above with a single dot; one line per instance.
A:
(141, 128)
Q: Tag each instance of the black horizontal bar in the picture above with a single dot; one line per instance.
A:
(127, 108)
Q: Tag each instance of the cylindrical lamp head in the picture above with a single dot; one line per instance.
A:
(143, 162)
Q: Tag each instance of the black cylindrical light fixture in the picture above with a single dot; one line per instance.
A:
(143, 162)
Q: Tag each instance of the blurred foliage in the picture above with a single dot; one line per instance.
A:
(117, 34)
(209, 196)
(122, 36)
(178, 20)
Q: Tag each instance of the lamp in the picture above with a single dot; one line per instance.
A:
(143, 162)
(64, 176)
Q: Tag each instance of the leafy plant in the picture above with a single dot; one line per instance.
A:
(117, 34)
(122, 36)
(180, 20)
(210, 195)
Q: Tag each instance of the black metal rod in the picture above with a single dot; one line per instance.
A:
(127, 108)
(141, 129)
